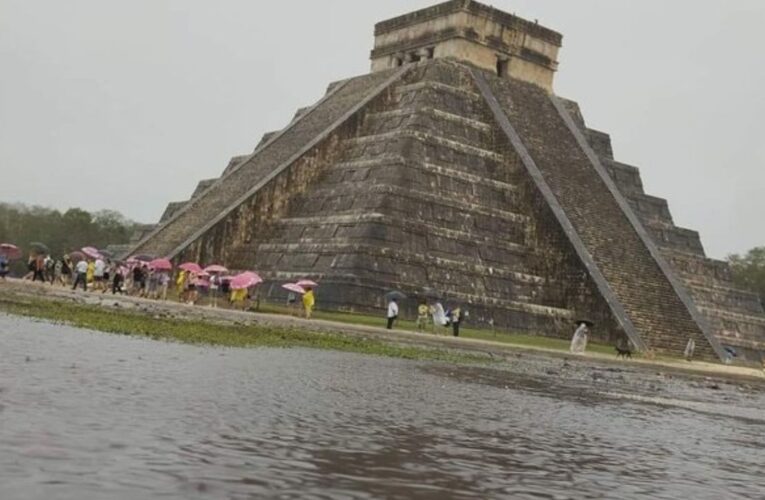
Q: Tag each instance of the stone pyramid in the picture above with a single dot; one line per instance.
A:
(452, 170)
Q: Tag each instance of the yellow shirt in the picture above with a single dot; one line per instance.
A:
(308, 299)
(91, 270)
(423, 310)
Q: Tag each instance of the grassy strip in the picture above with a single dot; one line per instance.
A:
(510, 338)
(196, 332)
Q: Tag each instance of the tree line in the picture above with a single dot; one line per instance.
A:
(749, 271)
(62, 232)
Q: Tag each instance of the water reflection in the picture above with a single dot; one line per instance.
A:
(88, 415)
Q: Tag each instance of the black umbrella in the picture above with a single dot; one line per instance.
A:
(587, 322)
(39, 248)
(395, 294)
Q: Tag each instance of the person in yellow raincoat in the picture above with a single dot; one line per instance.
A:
(90, 275)
(239, 298)
(309, 300)
(180, 285)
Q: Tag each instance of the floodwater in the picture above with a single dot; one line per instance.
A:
(88, 415)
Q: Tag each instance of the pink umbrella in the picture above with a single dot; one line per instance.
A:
(191, 267)
(215, 269)
(245, 280)
(161, 265)
(294, 287)
(91, 252)
(76, 256)
(11, 252)
(307, 284)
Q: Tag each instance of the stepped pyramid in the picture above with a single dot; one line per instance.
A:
(453, 169)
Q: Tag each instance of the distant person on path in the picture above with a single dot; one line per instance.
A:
(91, 273)
(81, 275)
(164, 283)
(423, 314)
(66, 270)
(456, 317)
(579, 341)
(39, 269)
(180, 285)
(439, 316)
(117, 280)
(99, 268)
(3, 267)
(308, 302)
(392, 312)
(50, 269)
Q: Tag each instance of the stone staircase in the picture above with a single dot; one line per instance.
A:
(212, 205)
(646, 299)
(736, 316)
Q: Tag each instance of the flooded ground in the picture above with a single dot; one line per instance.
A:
(87, 415)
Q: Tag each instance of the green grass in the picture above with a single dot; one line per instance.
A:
(199, 332)
(511, 338)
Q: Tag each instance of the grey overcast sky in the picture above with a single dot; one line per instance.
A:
(127, 104)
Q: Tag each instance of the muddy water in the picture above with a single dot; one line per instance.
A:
(94, 416)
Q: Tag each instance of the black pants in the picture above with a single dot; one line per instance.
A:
(81, 278)
(391, 321)
(38, 275)
(456, 328)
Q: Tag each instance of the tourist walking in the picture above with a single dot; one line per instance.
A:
(66, 270)
(81, 275)
(456, 318)
(164, 283)
(308, 302)
(180, 285)
(90, 275)
(423, 314)
(579, 341)
(117, 280)
(392, 312)
(38, 272)
(99, 268)
(3, 266)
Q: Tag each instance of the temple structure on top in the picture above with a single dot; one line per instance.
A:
(452, 171)
(470, 32)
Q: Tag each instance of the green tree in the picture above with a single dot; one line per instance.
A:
(749, 270)
(61, 232)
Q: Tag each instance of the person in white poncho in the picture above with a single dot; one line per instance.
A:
(579, 341)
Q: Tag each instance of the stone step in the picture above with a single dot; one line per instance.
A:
(457, 172)
(430, 120)
(676, 238)
(422, 203)
(697, 268)
(727, 297)
(626, 177)
(240, 183)
(348, 223)
(428, 137)
(402, 257)
(650, 208)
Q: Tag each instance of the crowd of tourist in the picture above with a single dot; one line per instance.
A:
(95, 271)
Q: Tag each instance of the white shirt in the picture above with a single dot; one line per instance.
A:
(81, 267)
(99, 268)
(392, 309)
